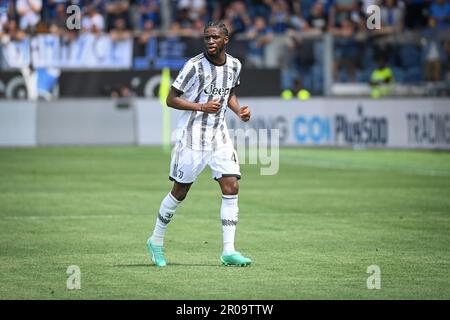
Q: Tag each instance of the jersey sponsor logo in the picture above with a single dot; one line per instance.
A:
(212, 90)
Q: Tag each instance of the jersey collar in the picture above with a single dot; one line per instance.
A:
(212, 62)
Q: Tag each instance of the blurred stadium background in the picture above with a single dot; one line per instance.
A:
(317, 70)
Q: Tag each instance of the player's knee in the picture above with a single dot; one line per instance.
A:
(231, 188)
(180, 192)
(180, 196)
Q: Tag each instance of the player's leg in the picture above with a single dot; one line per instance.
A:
(184, 169)
(229, 211)
(225, 168)
(167, 211)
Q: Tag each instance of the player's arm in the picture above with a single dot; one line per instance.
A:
(242, 112)
(174, 100)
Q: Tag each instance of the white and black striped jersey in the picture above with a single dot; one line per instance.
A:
(201, 80)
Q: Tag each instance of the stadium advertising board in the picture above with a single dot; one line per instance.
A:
(365, 123)
(398, 123)
(17, 123)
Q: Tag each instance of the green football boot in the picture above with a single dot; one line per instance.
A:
(235, 259)
(157, 254)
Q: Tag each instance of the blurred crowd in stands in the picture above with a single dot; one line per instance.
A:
(413, 40)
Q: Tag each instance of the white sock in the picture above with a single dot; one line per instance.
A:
(166, 213)
(229, 215)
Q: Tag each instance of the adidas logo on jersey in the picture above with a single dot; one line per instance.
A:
(212, 90)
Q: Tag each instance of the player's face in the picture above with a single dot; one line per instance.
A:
(215, 41)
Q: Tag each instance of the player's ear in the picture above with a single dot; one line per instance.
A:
(226, 39)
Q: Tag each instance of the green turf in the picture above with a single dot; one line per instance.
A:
(312, 230)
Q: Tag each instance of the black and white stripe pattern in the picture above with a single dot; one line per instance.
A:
(200, 80)
(205, 115)
(162, 219)
(200, 73)
(229, 223)
(221, 114)
(187, 78)
(176, 159)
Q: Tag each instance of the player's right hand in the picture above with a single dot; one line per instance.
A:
(212, 106)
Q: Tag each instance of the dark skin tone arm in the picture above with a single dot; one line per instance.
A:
(175, 101)
(242, 112)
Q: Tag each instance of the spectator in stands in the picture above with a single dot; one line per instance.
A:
(262, 8)
(296, 18)
(302, 61)
(29, 12)
(382, 79)
(219, 9)
(391, 17)
(183, 20)
(346, 51)
(178, 30)
(415, 13)
(12, 33)
(4, 11)
(433, 60)
(294, 7)
(317, 18)
(149, 22)
(198, 27)
(196, 8)
(49, 9)
(259, 35)
(149, 14)
(117, 9)
(57, 24)
(298, 63)
(98, 4)
(343, 10)
(440, 14)
(92, 21)
(237, 17)
(280, 17)
(120, 32)
(446, 60)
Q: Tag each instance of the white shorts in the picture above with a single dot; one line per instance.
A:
(187, 164)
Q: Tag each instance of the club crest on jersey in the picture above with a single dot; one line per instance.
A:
(212, 90)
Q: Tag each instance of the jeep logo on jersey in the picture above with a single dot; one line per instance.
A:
(212, 90)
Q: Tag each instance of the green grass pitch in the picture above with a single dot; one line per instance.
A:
(312, 230)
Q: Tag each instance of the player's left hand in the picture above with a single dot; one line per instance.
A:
(244, 113)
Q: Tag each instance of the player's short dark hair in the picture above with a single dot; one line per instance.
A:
(218, 25)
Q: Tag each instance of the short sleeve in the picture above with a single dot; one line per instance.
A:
(185, 78)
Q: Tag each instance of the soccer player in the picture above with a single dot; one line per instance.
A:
(204, 90)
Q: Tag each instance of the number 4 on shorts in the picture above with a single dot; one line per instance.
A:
(233, 157)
